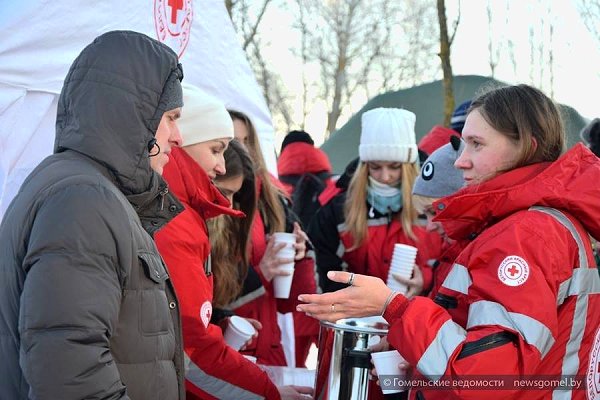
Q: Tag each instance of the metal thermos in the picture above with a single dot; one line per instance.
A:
(344, 360)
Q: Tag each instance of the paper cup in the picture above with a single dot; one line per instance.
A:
(288, 251)
(283, 283)
(386, 364)
(238, 332)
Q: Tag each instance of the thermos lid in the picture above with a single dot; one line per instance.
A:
(376, 325)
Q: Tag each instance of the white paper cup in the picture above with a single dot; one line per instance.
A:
(289, 251)
(386, 364)
(238, 332)
(283, 283)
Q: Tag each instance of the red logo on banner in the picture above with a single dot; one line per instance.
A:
(173, 22)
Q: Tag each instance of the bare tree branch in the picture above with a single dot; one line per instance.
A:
(250, 36)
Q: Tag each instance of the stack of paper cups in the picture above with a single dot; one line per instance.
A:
(238, 332)
(283, 283)
(403, 262)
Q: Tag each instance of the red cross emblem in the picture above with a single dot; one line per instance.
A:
(513, 270)
(173, 22)
(175, 6)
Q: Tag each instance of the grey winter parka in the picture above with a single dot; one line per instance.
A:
(87, 310)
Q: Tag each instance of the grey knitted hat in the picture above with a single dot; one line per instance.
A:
(173, 95)
(439, 178)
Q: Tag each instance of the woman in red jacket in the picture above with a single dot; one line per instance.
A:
(531, 291)
(272, 215)
(213, 369)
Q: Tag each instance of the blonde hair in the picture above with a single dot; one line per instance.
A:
(270, 206)
(355, 208)
(421, 203)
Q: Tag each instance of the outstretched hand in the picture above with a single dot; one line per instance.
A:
(366, 297)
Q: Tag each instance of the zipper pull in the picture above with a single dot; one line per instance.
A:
(163, 193)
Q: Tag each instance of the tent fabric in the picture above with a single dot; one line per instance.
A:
(426, 101)
(42, 38)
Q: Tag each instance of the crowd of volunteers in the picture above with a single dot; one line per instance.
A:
(130, 255)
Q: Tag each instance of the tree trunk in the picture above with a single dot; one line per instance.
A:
(336, 104)
(446, 66)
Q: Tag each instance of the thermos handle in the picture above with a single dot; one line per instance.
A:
(357, 358)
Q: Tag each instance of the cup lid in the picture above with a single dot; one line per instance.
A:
(367, 325)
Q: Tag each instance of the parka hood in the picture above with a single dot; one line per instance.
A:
(111, 104)
(298, 158)
(570, 184)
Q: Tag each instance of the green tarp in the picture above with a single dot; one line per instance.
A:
(426, 101)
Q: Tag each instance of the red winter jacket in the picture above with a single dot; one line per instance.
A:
(213, 369)
(527, 292)
(261, 303)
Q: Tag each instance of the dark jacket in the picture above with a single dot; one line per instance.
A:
(87, 309)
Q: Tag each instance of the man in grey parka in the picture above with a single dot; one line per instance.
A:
(87, 310)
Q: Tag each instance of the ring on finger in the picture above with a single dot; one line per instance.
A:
(351, 280)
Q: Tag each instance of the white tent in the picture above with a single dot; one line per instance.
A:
(41, 38)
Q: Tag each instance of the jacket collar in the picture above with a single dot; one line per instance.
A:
(193, 187)
(568, 184)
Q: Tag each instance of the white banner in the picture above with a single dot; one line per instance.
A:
(42, 38)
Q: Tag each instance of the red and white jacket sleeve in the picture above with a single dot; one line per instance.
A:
(213, 369)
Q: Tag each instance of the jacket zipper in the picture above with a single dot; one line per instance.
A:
(487, 343)
(163, 193)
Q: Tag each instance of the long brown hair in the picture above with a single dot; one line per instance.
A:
(229, 236)
(355, 207)
(269, 203)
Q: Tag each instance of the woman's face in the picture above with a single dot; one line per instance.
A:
(434, 226)
(386, 172)
(230, 186)
(240, 132)
(209, 155)
(487, 152)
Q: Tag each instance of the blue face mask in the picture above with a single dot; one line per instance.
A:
(384, 198)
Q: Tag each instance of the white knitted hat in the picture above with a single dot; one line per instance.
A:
(388, 134)
(203, 117)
